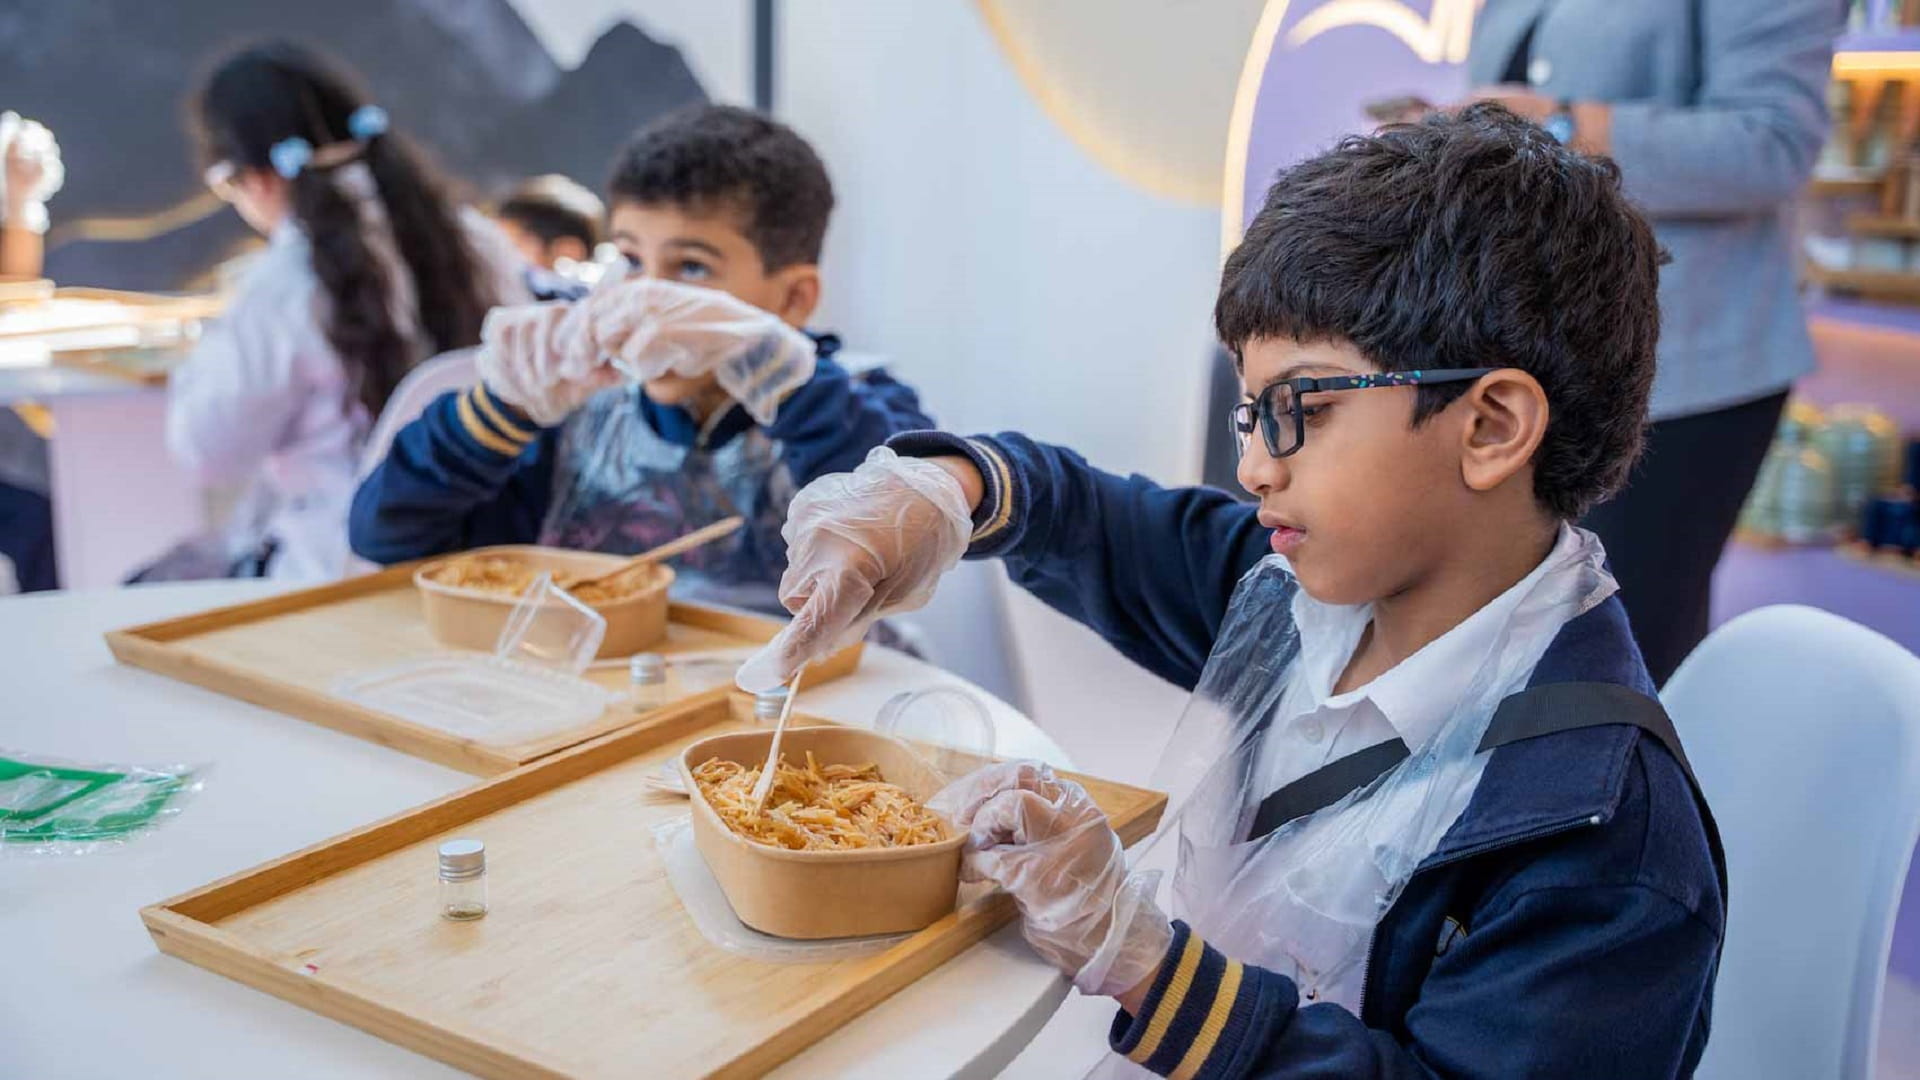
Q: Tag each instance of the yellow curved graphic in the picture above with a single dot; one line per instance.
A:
(1154, 177)
(1141, 87)
(1240, 123)
(1440, 36)
(135, 228)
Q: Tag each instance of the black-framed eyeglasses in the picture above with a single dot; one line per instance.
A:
(1283, 421)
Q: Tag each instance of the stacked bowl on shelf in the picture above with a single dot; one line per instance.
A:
(1834, 476)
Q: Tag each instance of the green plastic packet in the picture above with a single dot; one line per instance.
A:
(49, 807)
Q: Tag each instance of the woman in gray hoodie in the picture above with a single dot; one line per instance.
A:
(1715, 111)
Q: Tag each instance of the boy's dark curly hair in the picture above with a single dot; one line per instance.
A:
(708, 157)
(1468, 239)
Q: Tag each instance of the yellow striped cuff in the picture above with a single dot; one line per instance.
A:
(1002, 487)
(483, 398)
(1216, 1022)
(1171, 1001)
(480, 432)
(1198, 1017)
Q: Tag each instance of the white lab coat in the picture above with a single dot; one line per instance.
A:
(264, 398)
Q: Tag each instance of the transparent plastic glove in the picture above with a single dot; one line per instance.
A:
(539, 358)
(652, 328)
(1042, 838)
(861, 545)
(32, 170)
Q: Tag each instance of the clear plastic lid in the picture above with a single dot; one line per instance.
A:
(950, 727)
(484, 698)
(550, 628)
(529, 688)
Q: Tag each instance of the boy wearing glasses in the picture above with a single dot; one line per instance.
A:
(1431, 819)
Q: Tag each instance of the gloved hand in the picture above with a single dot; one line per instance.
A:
(861, 545)
(1044, 840)
(539, 358)
(32, 171)
(651, 328)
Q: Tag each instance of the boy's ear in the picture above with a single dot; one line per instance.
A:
(797, 293)
(1505, 423)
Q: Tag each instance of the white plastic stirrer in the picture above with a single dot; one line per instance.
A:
(764, 786)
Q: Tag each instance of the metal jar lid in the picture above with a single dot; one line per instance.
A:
(647, 668)
(768, 703)
(462, 859)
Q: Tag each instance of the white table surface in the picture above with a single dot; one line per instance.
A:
(86, 994)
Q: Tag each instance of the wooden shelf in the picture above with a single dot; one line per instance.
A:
(1903, 39)
(1883, 225)
(1891, 561)
(1842, 186)
(1889, 54)
(1764, 542)
(1879, 284)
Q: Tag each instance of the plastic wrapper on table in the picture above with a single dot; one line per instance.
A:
(54, 807)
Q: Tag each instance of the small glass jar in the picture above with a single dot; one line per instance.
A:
(463, 880)
(767, 705)
(650, 682)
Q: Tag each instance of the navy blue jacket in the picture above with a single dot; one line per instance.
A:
(1568, 925)
(473, 470)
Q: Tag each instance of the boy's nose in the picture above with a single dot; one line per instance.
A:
(1260, 472)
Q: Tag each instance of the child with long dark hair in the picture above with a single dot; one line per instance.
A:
(369, 268)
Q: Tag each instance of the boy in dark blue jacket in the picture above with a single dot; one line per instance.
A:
(684, 394)
(1431, 819)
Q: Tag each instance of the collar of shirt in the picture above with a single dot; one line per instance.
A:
(1416, 695)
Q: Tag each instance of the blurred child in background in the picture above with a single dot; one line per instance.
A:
(32, 173)
(551, 221)
(680, 396)
(369, 268)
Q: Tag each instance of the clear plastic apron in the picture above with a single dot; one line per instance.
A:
(1304, 900)
(621, 488)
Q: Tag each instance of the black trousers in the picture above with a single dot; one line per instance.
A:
(1664, 533)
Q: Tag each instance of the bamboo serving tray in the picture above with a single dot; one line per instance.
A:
(586, 964)
(287, 651)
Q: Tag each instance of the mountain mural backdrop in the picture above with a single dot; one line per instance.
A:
(465, 79)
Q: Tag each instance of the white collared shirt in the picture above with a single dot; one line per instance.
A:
(1410, 701)
(1304, 899)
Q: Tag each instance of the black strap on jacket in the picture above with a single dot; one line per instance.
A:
(1540, 710)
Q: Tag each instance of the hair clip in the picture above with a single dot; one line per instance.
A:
(290, 155)
(367, 121)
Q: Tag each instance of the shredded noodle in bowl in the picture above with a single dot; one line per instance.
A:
(818, 808)
(509, 576)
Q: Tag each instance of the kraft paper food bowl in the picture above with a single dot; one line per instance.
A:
(472, 619)
(826, 894)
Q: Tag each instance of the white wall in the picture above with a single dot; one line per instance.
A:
(1015, 282)
(1018, 283)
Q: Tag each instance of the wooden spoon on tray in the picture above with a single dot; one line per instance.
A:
(667, 550)
(764, 786)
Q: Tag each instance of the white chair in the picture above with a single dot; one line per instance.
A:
(964, 629)
(429, 379)
(452, 370)
(1804, 729)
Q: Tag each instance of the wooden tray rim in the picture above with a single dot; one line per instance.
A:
(151, 646)
(185, 926)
